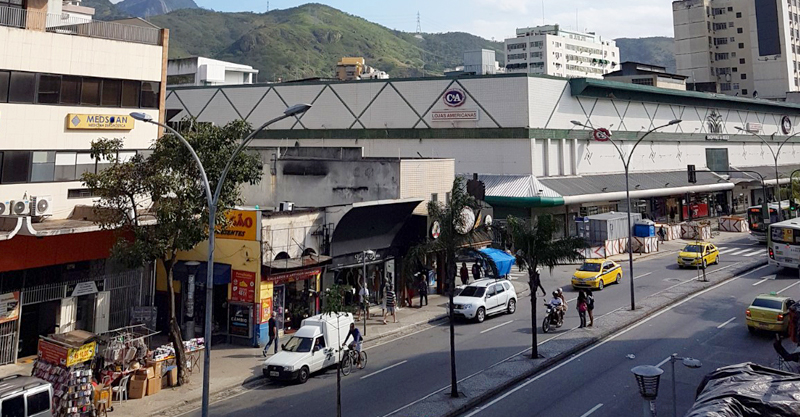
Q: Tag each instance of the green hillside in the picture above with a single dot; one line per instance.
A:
(655, 50)
(104, 10)
(307, 41)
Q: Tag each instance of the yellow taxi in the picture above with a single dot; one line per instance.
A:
(699, 254)
(597, 273)
(768, 312)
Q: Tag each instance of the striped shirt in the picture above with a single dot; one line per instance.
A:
(390, 300)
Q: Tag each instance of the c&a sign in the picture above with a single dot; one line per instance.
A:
(242, 225)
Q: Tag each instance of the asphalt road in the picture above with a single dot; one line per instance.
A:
(405, 369)
(598, 381)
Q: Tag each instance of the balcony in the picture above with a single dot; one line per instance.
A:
(70, 25)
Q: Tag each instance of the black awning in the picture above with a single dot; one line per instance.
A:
(371, 226)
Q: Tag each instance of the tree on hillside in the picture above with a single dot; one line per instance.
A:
(333, 304)
(157, 205)
(534, 246)
(457, 235)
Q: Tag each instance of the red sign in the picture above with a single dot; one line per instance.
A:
(294, 276)
(601, 135)
(266, 310)
(698, 210)
(243, 286)
(52, 353)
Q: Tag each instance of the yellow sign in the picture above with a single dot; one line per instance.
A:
(242, 225)
(81, 354)
(99, 121)
(788, 235)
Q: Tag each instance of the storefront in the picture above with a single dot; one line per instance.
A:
(295, 291)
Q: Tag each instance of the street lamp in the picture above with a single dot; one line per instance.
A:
(367, 255)
(775, 155)
(626, 163)
(647, 379)
(687, 362)
(212, 201)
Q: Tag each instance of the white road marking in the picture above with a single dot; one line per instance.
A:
(590, 349)
(595, 408)
(726, 322)
(753, 253)
(663, 362)
(495, 327)
(759, 282)
(738, 251)
(384, 369)
(642, 276)
(798, 282)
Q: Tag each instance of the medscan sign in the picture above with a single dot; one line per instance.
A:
(99, 122)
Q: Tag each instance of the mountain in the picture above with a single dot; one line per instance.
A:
(104, 10)
(656, 50)
(147, 8)
(308, 40)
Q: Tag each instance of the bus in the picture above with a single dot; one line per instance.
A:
(783, 244)
(758, 229)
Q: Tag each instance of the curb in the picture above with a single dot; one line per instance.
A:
(482, 398)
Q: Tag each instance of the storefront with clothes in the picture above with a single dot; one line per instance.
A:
(295, 290)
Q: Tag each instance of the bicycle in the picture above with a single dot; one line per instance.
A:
(351, 357)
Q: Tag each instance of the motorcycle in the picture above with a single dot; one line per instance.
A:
(552, 318)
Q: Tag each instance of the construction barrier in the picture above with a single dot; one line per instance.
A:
(733, 224)
(595, 252)
(616, 246)
(695, 231)
(671, 231)
(645, 244)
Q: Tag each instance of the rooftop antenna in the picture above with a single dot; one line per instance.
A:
(542, 12)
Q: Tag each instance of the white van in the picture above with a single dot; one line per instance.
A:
(25, 396)
(315, 346)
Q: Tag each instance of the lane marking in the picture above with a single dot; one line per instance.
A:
(756, 252)
(384, 369)
(642, 276)
(798, 282)
(728, 321)
(759, 282)
(738, 251)
(602, 343)
(595, 408)
(663, 362)
(498, 326)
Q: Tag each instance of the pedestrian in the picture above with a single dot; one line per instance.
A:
(272, 326)
(422, 288)
(590, 306)
(476, 271)
(672, 214)
(662, 233)
(582, 307)
(390, 303)
(410, 290)
(464, 273)
(537, 282)
(364, 298)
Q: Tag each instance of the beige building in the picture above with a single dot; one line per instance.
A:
(647, 74)
(355, 68)
(738, 47)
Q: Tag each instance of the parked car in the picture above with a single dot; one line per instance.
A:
(699, 254)
(768, 312)
(597, 273)
(485, 297)
(25, 396)
(314, 347)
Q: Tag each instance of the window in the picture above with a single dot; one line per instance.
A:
(130, 93)
(741, 60)
(730, 9)
(733, 39)
(38, 402)
(435, 197)
(735, 69)
(90, 91)
(720, 26)
(642, 81)
(490, 292)
(70, 90)
(741, 45)
(49, 89)
(112, 93)
(720, 41)
(744, 91)
(717, 159)
(65, 166)
(13, 407)
(744, 76)
(721, 56)
(43, 168)
(725, 86)
(499, 288)
(84, 163)
(447, 197)
(735, 86)
(16, 165)
(150, 93)
(85, 193)
(739, 30)
(4, 76)
(738, 15)
(22, 87)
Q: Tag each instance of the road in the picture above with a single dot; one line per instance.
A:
(598, 382)
(405, 369)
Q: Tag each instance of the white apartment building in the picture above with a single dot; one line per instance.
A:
(199, 71)
(739, 47)
(65, 81)
(554, 51)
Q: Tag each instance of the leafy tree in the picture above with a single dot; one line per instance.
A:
(534, 246)
(456, 237)
(157, 205)
(333, 304)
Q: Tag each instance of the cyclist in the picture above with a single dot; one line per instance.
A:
(356, 344)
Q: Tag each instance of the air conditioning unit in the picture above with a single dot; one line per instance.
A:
(19, 207)
(285, 206)
(41, 206)
(5, 208)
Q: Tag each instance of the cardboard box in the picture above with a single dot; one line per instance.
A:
(137, 388)
(153, 385)
(157, 369)
(147, 372)
(172, 377)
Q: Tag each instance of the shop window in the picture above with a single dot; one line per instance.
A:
(65, 166)
(70, 90)
(4, 76)
(43, 167)
(16, 165)
(112, 93)
(90, 91)
(717, 160)
(22, 87)
(49, 89)
(150, 92)
(130, 93)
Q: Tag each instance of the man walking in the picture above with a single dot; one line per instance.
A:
(464, 272)
(476, 271)
(273, 334)
(422, 288)
(390, 302)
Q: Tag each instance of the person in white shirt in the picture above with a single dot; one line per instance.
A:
(364, 299)
(558, 303)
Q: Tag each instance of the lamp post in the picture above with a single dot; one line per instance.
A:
(687, 362)
(626, 162)
(212, 200)
(647, 379)
(367, 255)
(775, 155)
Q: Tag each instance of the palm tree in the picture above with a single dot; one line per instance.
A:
(457, 235)
(534, 246)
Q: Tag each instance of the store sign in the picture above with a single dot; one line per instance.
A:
(294, 276)
(242, 225)
(786, 125)
(239, 319)
(9, 307)
(718, 137)
(454, 97)
(99, 121)
(753, 127)
(81, 354)
(243, 286)
(454, 115)
(84, 288)
(52, 353)
(266, 310)
(698, 210)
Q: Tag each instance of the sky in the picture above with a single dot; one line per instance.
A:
(496, 19)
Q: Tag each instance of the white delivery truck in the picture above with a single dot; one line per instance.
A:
(315, 346)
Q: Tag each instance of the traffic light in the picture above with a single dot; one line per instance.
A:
(692, 174)
(792, 205)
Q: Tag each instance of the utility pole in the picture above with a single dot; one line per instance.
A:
(419, 25)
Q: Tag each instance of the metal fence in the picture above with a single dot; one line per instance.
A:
(125, 290)
(8, 342)
(13, 17)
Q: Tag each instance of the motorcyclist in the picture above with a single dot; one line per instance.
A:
(564, 304)
(558, 304)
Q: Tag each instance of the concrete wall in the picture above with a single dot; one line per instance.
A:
(421, 178)
(291, 232)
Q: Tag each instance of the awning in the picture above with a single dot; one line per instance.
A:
(222, 273)
(518, 191)
(502, 260)
(371, 225)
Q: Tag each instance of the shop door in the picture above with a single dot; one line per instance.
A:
(84, 312)
(67, 314)
(37, 320)
(102, 309)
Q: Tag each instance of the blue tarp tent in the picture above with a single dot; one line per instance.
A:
(501, 259)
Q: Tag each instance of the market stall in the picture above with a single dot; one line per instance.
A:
(64, 360)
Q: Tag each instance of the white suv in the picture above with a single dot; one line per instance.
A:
(484, 297)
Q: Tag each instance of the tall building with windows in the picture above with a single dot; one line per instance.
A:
(738, 47)
(66, 80)
(554, 51)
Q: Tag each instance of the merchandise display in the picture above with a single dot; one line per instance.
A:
(73, 391)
